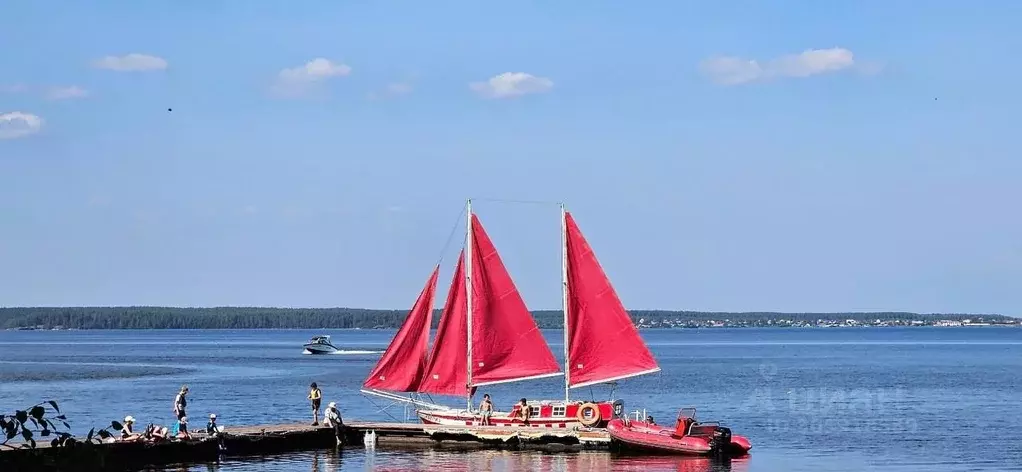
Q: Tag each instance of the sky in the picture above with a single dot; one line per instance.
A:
(722, 156)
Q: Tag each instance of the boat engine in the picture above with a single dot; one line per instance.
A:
(619, 409)
(720, 443)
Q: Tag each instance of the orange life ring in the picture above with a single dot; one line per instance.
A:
(586, 419)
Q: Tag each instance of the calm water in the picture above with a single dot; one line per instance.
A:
(890, 399)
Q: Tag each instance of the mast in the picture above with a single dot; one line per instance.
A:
(468, 298)
(564, 304)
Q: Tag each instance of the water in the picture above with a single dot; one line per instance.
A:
(889, 399)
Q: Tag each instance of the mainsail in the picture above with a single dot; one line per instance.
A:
(446, 369)
(506, 343)
(603, 343)
(401, 366)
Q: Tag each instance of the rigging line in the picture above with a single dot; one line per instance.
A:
(383, 409)
(527, 202)
(454, 229)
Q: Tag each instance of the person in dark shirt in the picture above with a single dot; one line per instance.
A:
(180, 403)
(127, 429)
(211, 428)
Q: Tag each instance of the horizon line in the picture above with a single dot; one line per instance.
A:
(195, 307)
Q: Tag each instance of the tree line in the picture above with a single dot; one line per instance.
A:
(144, 317)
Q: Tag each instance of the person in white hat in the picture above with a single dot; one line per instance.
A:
(211, 428)
(333, 420)
(127, 434)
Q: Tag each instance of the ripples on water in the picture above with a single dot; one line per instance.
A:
(462, 461)
(935, 399)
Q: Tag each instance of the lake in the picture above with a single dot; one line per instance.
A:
(837, 399)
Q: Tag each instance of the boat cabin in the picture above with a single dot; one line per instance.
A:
(324, 339)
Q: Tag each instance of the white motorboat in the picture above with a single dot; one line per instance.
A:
(320, 345)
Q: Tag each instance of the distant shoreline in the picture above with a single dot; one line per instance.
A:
(644, 328)
(92, 318)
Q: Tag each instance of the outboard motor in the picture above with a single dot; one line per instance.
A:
(619, 409)
(720, 443)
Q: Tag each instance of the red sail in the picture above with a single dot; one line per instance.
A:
(401, 366)
(506, 343)
(447, 367)
(603, 344)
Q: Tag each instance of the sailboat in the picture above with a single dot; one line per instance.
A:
(487, 336)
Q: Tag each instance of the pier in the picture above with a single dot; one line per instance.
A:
(270, 439)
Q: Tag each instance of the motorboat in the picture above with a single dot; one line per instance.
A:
(687, 437)
(320, 345)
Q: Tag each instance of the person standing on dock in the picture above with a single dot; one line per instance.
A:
(316, 395)
(180, 402)
(486, 409)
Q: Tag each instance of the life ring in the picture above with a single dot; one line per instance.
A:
(584, 418)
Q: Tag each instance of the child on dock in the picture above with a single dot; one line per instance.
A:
(486, 409)
(211, 428)
(182, 428)
(316, 395)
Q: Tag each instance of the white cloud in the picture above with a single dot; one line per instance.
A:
(133, 62)
(18, 125)
(392, 90)
(512, 84)
(728, 70)
(13, 88)
(399, 88)
(66, 93)
(302, 79)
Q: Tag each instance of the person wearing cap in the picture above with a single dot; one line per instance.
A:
(211, 428)
(126, 429)
(333, 420)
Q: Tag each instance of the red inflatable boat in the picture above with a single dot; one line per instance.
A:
(687, 436)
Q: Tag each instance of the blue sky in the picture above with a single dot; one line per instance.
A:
(793, 156)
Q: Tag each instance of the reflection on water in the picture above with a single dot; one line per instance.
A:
(405, 460)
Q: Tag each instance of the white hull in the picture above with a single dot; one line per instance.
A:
(320, 349)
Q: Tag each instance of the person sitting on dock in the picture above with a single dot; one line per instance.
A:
(182, 428)
(127, 433)
(211, 428)
(154, 433)
(486, 409)
(332, 418)
(521, 410)
(316, 395)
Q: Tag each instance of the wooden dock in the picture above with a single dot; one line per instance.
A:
(270, 439)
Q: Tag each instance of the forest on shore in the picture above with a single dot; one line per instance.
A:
(144, 317)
